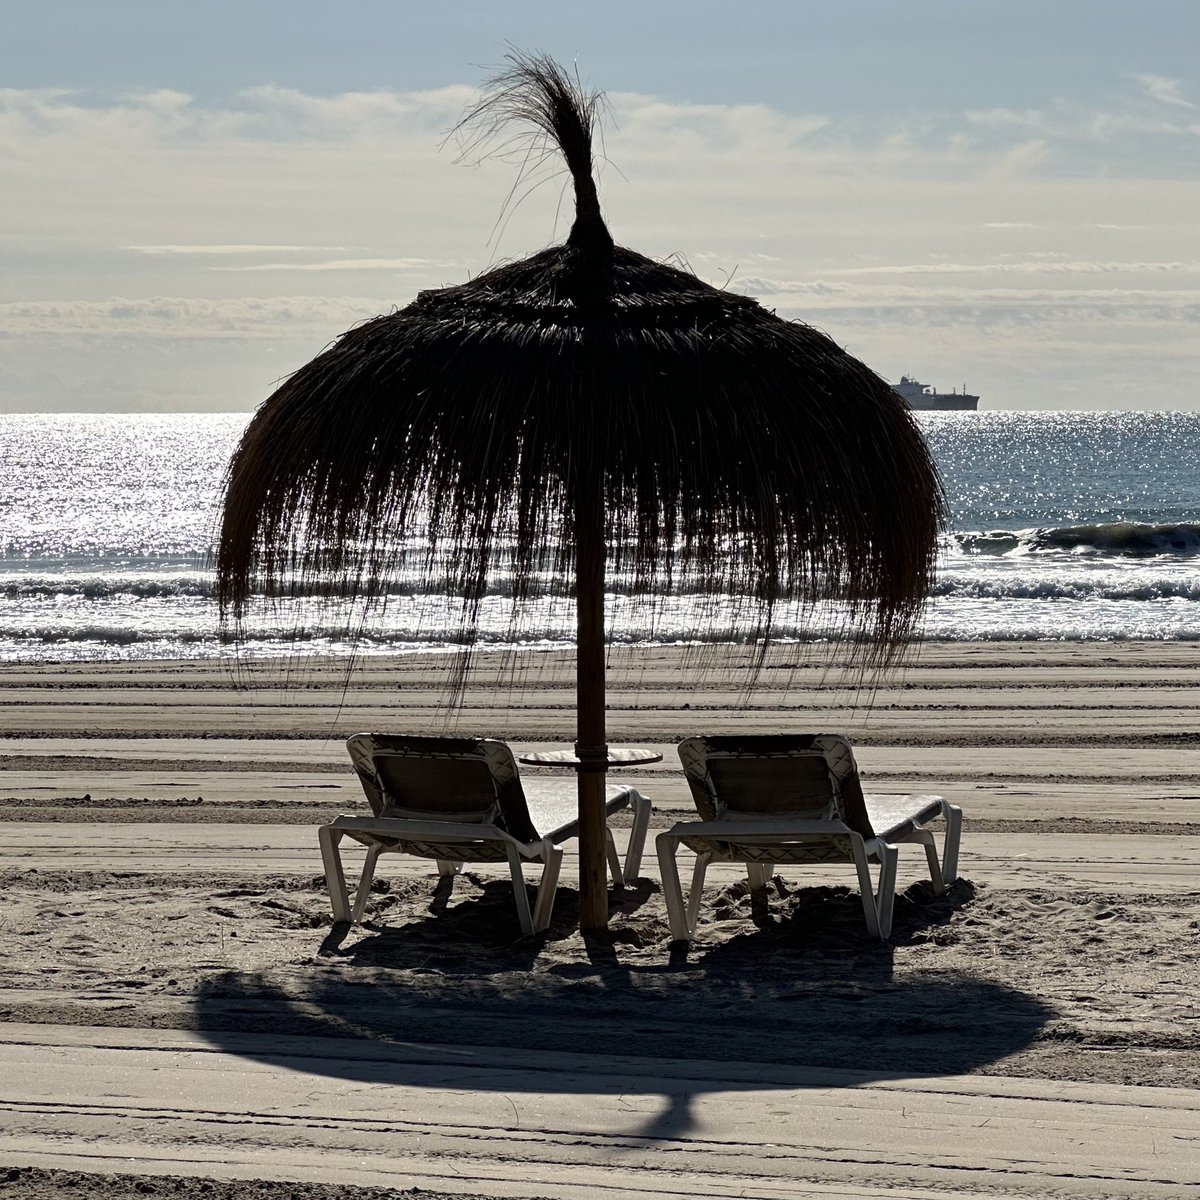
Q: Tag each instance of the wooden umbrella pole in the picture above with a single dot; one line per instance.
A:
(590, 746)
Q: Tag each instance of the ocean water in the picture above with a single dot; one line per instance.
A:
(1067, 526)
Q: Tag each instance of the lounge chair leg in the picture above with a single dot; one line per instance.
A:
(637, 835)
(364, 883)
(524, 916)
(447, 866)
(931, 856)
(865, 889)
(697, 892)
(953, 816)
(614, 859)
(759, 875)
(547, 889)
(885, 898)
(668, 868)
(335, 880)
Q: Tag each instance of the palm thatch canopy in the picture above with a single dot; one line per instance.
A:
(586, 385)
(747, 451)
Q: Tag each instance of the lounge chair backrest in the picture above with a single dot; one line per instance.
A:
(431, 789)
(464, 780)
(807, 776)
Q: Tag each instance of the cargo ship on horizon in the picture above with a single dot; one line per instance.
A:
(924, 397)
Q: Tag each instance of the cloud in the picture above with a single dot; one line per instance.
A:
(714, 125)
(359, 115)
(185, 318)
(1064, 123)
(343, 264)
(1165, 90)
(866, 294)
(1028, 118)
(267, 248)
(193, 216)
(1039, 266)
(1022, 158)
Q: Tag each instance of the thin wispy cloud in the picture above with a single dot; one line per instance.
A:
(183, 317)
(1027, 118)
(1165, 90)
(1067, 123)
(1034, 267)
(267, 248)
(859, 292)
(340, 264)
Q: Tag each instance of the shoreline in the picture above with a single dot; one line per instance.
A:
(828, 649)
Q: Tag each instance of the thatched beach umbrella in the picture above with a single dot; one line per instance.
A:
(581, 415)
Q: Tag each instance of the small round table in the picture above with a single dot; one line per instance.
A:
(617, 756)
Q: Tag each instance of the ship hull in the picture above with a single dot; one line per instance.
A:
(941, 402)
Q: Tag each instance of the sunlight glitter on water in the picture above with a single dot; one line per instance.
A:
(1063, 525)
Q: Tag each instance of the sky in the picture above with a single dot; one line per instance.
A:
(997, 194)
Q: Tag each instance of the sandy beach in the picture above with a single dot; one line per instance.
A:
(180, 1017)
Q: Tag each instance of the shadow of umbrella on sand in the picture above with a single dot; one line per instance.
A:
(803, 1000)
(585, 418)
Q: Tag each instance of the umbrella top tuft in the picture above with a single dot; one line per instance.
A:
(534, 90)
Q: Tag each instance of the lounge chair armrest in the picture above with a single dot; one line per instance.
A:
(894, 815)
(563, 825)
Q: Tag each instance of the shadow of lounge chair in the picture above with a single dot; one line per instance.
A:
(768, 801)
(460, 800)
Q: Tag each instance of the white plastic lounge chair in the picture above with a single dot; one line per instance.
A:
(767, 801)
(460, 800)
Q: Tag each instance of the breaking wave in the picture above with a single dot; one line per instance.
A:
(1067, 589)
(1121, 539)
(101, 588)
